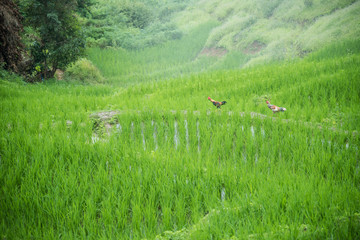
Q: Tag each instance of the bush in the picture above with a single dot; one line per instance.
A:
(85, 71)
(308, 3)
(9, 75)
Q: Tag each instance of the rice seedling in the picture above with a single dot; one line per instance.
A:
(173, 166)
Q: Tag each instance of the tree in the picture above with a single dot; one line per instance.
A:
(139, 16)
(58, 40)
(83, 7)
(10, 41)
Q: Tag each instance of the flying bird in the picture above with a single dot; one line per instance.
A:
(275, 108)
(216, 103)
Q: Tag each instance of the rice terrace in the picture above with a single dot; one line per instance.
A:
(168, 119)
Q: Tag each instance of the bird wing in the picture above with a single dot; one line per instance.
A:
(273, 107)
(216, 103)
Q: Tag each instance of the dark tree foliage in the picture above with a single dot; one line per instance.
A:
(59, 39)
(10, 41)
(83, 7)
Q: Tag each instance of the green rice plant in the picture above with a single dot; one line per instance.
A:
(224, 180)
(242, 172)
(338, 49)
(127, 67)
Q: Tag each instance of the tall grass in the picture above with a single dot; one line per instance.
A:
(318, 89)
(244, 180)
(165, 174)
(285, 29)
(173, 58)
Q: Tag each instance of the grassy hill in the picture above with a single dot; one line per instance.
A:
(223, 35)
(273, 30)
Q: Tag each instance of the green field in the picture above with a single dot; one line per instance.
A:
(172, 166)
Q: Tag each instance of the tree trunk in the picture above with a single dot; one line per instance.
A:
(51, 73)
(45, 68)
(11, 47)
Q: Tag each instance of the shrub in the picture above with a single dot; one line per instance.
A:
(308, 3)
(84, 71)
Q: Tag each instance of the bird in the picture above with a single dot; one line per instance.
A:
(216, 103)
(275, 108)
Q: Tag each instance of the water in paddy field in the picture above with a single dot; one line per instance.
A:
(182, 127)
(142, 135)
(176, 135)
(118, 127)
(154, 134)
(223, 194)
(252, 131)
(198, 134)
(132, 131)
(186, 134)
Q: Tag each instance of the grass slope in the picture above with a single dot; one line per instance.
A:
(233, 35)
(320, 88)
(164, 175)
(172, 59)
(273, 30)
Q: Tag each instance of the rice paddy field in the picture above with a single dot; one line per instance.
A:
(166, 164)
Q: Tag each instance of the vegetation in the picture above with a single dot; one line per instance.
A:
(84, 71)
(247, 34)
(251, 32)
(194, 175)
(165, 61)
(10, 42)
(57, 41)
(145, 155)
(132, 24)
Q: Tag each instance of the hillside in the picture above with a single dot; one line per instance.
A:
(321, 88)
(220, 35)
(273, 30)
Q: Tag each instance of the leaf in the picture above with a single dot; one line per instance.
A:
(54, 17)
